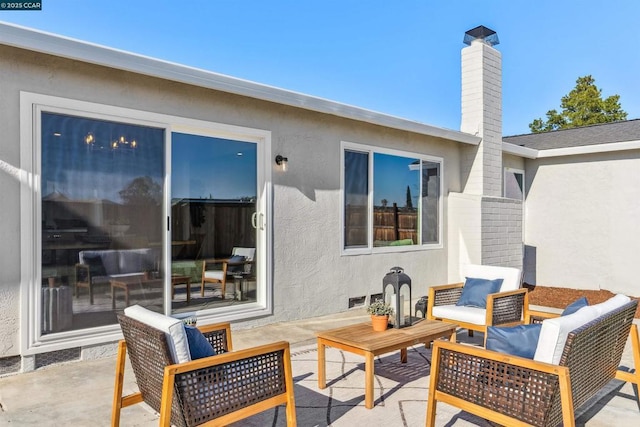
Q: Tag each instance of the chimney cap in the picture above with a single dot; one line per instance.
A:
(482, 33)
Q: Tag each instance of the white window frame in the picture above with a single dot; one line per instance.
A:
(31, 106)
(370, 249)
(508, 170)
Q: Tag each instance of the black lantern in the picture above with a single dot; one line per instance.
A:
(396, 288)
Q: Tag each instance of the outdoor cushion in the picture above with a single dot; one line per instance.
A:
(130, 262)
(95, 265)
(199, 347)
(109, 259)
(473, 315)
(238, 260)
(214, 274)
(475, 291)
(403, 242)
(575, 306)
(520, 340)
(554, 332)
(172, 327)
(510, 276)
(611, 304)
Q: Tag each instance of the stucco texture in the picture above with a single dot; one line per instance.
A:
(581, 222)
(310, 276)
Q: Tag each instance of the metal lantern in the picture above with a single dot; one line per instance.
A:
(396, 288)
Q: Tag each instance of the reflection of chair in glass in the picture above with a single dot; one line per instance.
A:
(239, 262)
(218, 389)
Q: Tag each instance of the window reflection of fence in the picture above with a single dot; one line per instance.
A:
(389, 224)
(215, 226)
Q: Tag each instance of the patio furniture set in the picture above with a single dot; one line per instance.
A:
(127, 269)
(570, 359)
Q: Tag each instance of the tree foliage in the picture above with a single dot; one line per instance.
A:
(409, 204)
(583, 106)
(142, 191)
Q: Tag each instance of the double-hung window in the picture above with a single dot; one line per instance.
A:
(391, 200)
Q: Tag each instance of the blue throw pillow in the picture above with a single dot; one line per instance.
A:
(575, 306)
(475, 291)
(520, 340)
(199, 347)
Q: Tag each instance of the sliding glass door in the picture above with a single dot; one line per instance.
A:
(130, 211)
(214, 196)
(102, 220)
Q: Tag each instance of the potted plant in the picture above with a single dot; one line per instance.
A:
(380, 312)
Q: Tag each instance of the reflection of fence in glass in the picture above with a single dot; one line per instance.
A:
(393, 224)
(210, 228)
(355, 228)
(390, 225)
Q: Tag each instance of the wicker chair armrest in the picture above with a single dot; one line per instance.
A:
(445, 294)
(213, 261)
(506, 307)
(226, 358)
(536, 316)
(219, 336)
(502, 387)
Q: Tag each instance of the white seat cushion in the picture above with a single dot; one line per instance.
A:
(473, 315)
(214, 274)
(554, 332)
(510, 276)
(172, 327)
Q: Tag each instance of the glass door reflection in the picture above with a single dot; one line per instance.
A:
(213, 241)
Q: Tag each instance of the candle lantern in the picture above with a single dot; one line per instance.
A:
(396, 288)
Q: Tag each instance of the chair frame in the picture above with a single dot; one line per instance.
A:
(164, 386)
(516, 391)
(508, 308)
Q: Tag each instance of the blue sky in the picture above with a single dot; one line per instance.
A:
(400, 58)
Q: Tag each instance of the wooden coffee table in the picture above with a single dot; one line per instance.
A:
(127, 281)
(361, 339)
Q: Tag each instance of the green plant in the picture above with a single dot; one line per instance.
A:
(379, 308)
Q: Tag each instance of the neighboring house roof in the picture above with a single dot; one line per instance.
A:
(51, 44)
(587, 135)
(606, 137)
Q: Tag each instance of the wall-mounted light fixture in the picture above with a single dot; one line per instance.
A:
(282, 162)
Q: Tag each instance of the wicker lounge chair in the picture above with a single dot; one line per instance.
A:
(513, 391)
(216, 390)
(506, 307)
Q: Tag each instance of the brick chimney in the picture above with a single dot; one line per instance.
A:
(482, 112)
(483, 226)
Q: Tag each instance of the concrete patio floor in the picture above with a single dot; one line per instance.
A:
(80, 393)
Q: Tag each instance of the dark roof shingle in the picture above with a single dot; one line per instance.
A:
(605, 133)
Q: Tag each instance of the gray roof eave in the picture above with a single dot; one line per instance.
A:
(51, 44)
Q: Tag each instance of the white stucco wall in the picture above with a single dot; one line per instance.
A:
(582, 228)
(310, 275)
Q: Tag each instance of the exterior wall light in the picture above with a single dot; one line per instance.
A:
(282, 162)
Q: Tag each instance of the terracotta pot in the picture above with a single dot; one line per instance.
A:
(379, 323)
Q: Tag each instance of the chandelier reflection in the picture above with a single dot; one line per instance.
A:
(121, 143)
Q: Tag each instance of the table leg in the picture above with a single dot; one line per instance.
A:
(322, 374)
(188, 290)
(113, 297)
(126, 296)
(452, 338)
(368, 380)
(403, 355)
